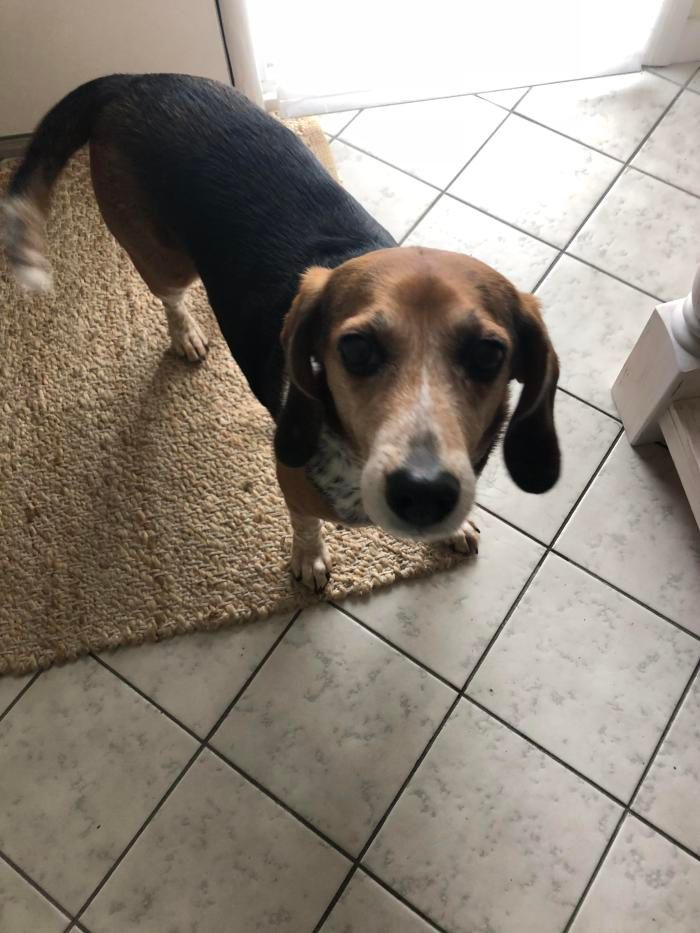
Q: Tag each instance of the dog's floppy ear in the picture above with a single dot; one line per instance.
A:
(301, 417)
(530, 447)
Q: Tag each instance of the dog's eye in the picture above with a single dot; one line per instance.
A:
(484, 358)
(361, 354)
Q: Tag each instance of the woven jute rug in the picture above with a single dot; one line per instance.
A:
(137, 493)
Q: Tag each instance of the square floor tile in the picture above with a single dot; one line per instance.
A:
(10, 688)
(194, 677)
(446, 620)
(84, 761)
(23, 909)
(634, 528)
(645, 884)
(507, 99)
(673, 150)
(645, 232)
(536, 179)
(367, 907)
(612, 114)
(670, 794)
(491, 834)
(585, 436)
(431, 139)
(219, 855)
(393, 198)
(695, 83)
(594, 321)
(678, 73)
(333, 723)
(334, 123)
(455, 226)
(588, 674)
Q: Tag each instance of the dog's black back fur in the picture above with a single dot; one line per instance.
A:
(248, 201)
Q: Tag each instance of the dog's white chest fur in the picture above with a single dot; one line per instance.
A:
(336, 473)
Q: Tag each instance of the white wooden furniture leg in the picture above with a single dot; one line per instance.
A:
(658, 390)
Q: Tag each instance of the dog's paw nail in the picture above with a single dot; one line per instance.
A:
(313, 570)
(466, 540)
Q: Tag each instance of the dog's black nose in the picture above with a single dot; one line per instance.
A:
(422, 497)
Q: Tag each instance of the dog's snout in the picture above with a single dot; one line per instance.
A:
(422, 497)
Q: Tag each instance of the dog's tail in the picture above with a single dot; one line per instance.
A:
(64, 129)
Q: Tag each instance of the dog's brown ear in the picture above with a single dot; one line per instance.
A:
(301, 417)
(530, 447)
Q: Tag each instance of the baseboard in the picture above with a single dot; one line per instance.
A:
(11, 146)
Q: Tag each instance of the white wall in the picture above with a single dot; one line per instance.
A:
(48, 47)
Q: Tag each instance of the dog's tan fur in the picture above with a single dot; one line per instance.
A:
(163, 265)
(421, 301)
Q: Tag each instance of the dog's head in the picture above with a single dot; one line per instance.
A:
(408, 353)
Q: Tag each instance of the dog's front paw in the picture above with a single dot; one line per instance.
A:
(466, 540)
(188, 340)
(312, 568)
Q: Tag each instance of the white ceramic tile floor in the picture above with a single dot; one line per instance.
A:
(345, 787)
(536, 179)
(672, 152)
(611, 114)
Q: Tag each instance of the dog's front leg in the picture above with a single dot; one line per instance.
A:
(311, 563)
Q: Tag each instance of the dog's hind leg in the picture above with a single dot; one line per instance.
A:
(166, 268)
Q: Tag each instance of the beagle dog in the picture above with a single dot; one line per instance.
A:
(385, 368)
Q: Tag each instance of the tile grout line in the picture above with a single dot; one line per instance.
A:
(652, 69)
(579, 398)
(612, 275)
(664, 834)
(665, 181)
(185, 769)
(271, 795)
(596, 871)
(390, 644)
(452, 180)
(144, 696)
(548, 550)
(439, 191)
(396, 168)
(366, 870)
(10, 862)
(623, 166)
(545, 126)
(377, 829)
(634, 599)
(11, 705)
(628, 808)
(625, 163)
(333, 136)
(480, 705)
